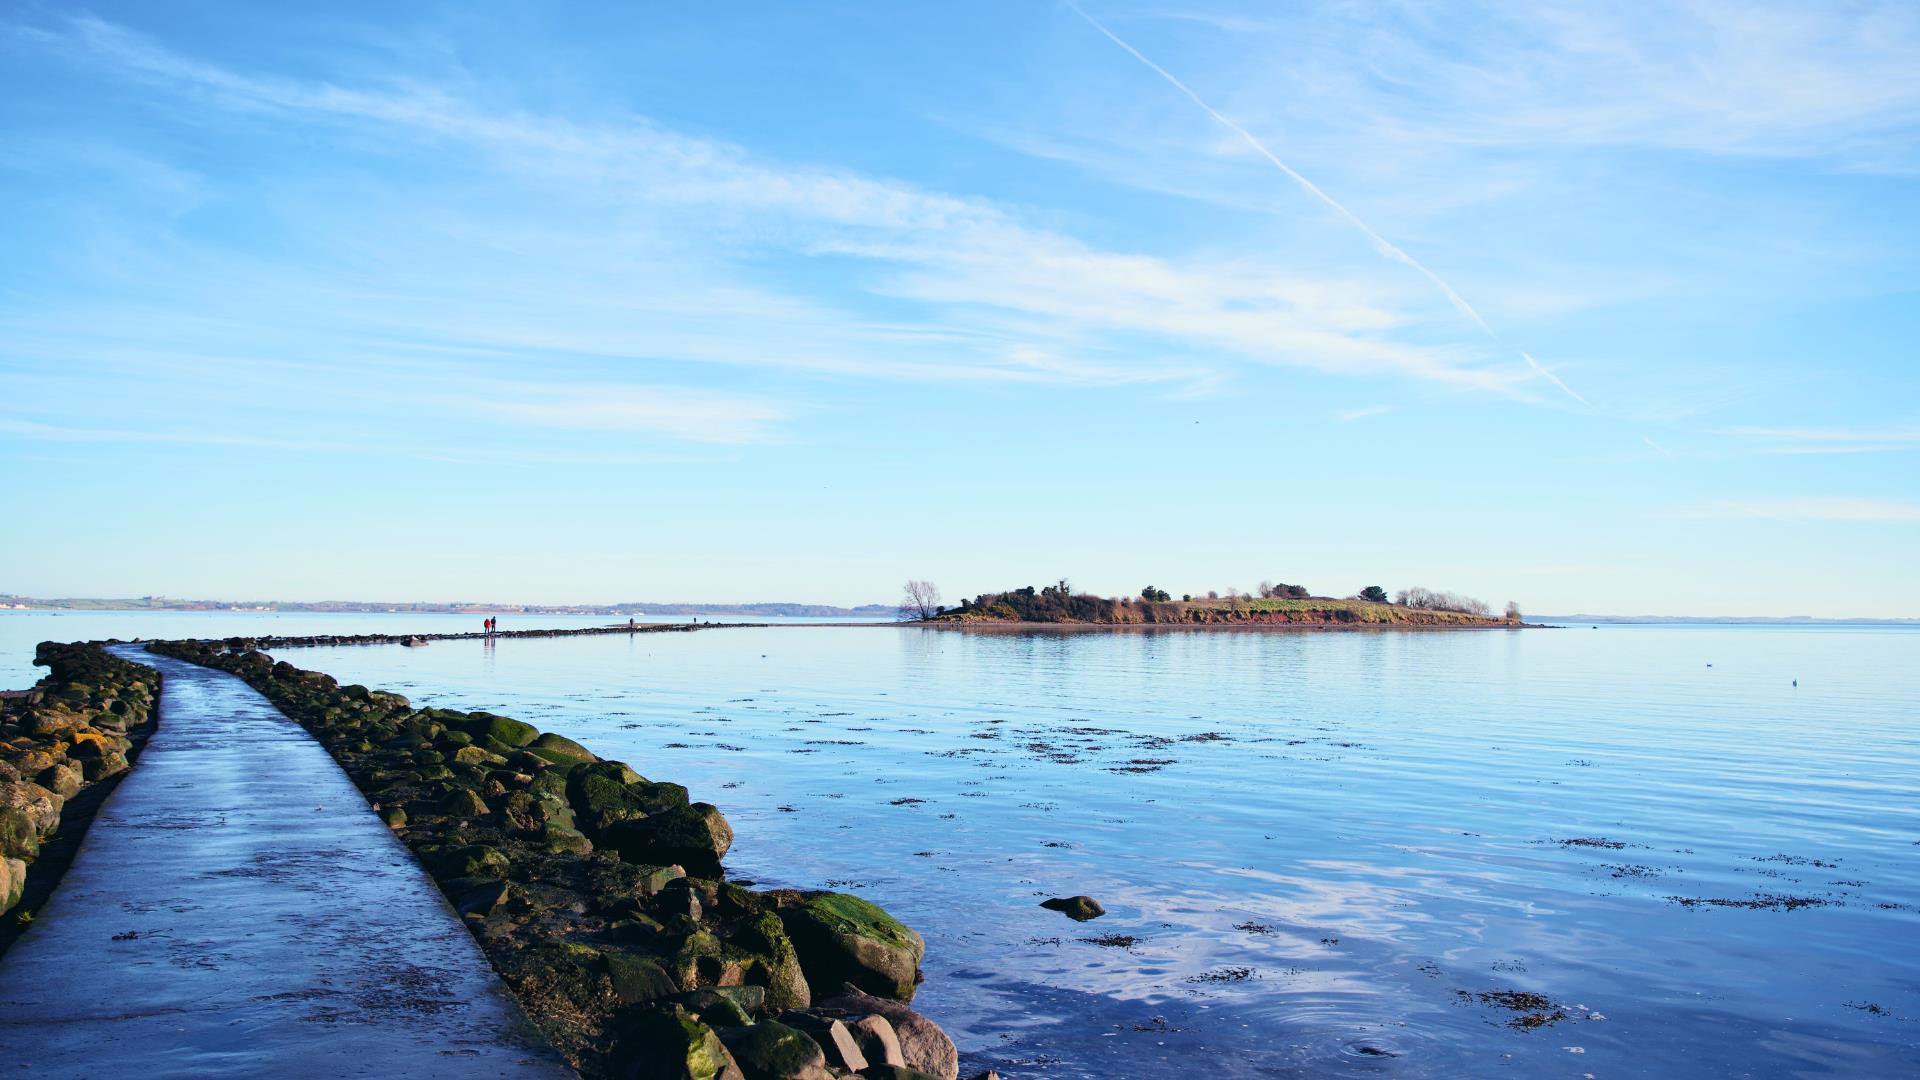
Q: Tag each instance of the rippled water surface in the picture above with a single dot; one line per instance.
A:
(1318, 851)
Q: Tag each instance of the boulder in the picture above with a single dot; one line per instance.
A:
(560, 749)
(13, 882)
(774, 964)
(501, 729)
(877, 1040)
(478, 896)
(464, 803)
(773, 1051)
(601, 795)
(922, 1043)
(844, 939)
(64, 779)
(18, 838)
(561, 840)
(638, 980)
(836, 1042)
(717, 1008)
(472, 861)
(41, 807)
(696, 837)
(1077, 908)
(667, 1046)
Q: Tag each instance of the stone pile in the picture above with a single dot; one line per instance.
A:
(80, 727)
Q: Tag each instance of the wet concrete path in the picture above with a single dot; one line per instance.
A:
(237, 910)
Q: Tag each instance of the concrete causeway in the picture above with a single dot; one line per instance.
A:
(237, 910)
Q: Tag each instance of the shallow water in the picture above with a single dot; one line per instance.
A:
(1325, 847)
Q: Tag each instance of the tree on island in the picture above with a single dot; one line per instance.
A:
(1513, 612)
(1158, 596)
(919, 600)
(1374, 593)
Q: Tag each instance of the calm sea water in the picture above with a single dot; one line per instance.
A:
(1317, 851)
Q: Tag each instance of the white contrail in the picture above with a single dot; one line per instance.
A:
(1380, 243)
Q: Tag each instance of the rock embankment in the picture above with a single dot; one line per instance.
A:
(307, 641)
(599, 896)
(62, 745)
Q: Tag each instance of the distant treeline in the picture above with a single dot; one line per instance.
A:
(1059, 603)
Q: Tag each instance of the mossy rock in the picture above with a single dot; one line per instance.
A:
(696, 837)
(601, 794)
(671, 1046)
(560, 749)
(502, 729)
(550, 782)
(774, 964)
(844, 939)
(639, 980)
(561, 840)
(456, 739)
(474, 860)
(464, 803)
(474, 755)
(18, 838)
(775, 1051)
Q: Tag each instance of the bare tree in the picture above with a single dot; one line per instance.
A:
(919, 600)
(1266, 589)
(1513, 612)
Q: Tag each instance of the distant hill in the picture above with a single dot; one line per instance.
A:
(459, 607)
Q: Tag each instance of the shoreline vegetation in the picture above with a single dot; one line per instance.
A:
(1277, 605)
(599, 897)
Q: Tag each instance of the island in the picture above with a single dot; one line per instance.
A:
(1277, 605)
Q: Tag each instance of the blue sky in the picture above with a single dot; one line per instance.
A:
(772, 301)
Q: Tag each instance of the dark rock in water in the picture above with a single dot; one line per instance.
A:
(924, 1046)
(560, 749)
(844, 939)
(773, 1051)
(842, 1049)
(668, 1046)
(696, 837)
(878, 1042)
(1077, 908)
(637, 980)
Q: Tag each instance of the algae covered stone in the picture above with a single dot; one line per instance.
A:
(666, 1046)
(844, 939)
(697, 837)
(774, 1051)
(560, 749)
(502, 729)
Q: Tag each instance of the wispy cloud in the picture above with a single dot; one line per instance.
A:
(1818, 508)
(970, 290)
(1792, 440)
(1380, 243)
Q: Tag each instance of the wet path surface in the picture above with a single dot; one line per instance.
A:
(237, 910)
